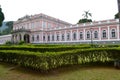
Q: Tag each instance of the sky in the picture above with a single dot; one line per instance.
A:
(67, 10)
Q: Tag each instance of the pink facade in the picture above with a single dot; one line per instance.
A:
(45, 29)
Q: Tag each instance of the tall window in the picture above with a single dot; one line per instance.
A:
(57, 37)
(20, 37)
(33, 38)
(95, 34)
(74, 36)
(49, 25)
(104, 34)
(68, 36)
(44, 24)
(81, 35)
(37, 37)
(53, 37)
(63, 37)
(43, 38)
(113, 33)
(32, 25)
(48, 37)
(88, 34)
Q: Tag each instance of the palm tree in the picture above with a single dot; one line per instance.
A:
(87, 14)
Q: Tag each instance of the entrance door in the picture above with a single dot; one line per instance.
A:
(27, 38)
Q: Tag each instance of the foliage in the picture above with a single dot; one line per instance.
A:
(8, 43)
(86, 14)
(85, 19)
(21, 42)
(8, 29)
(117, 16)
(44, 48)
(1, 16)
(57, 57)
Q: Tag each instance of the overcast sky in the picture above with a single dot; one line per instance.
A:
(67, 10)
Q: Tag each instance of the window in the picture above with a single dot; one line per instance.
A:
(57, 37)
(43, 38)
(20, 37)
(27, 25)
(63, 37)
(81, 35)
(37, 24)
(95, 34)
(68, 36)
(88, 34)
(33, 38)
(104, 34)
(74, 36)
(53, 37)
(48, 37)
(44, 24)
(113, 33)
(49, 25)
(32, 25)
(37, 37)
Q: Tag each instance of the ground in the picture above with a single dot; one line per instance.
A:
(12, 72)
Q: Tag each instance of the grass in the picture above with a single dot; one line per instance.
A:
(12, 72)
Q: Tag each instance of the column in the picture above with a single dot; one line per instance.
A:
(108, 33)
(84, 33)
(65, 36)
(77, 35)
(99, 33)
(118, 34)
(71, 35)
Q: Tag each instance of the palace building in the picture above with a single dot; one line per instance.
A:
(42, 28)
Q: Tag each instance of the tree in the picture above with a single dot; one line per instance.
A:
(85, 19)
(8, 29)
(86, 14)
(117, 15)
(1, 16)
(10, 25)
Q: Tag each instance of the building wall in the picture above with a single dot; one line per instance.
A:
(5, 38)
(46, 29)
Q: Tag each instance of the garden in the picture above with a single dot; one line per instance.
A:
(47, 58)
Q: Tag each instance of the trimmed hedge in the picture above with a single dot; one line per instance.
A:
(43, 49)
(51, 60)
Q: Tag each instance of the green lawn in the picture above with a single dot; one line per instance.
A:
(12, 72)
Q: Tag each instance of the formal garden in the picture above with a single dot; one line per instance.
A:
(62, 58)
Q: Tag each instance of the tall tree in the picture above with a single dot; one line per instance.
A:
(1, 16)
(85, 19)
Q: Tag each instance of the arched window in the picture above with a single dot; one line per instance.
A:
(113, 33)
(63, 37)
(57, 37)
(33, 38)
(88, 34)
(20, 37)
(81, 35)
(48, 37)
(104, 34)
(37, 37)
(68, 36)
(53, 37)
(95, 34)
(43, 38)
(74, 36)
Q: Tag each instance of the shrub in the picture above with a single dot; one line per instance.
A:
(8, 43)
(51, 60)
(21, 42)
